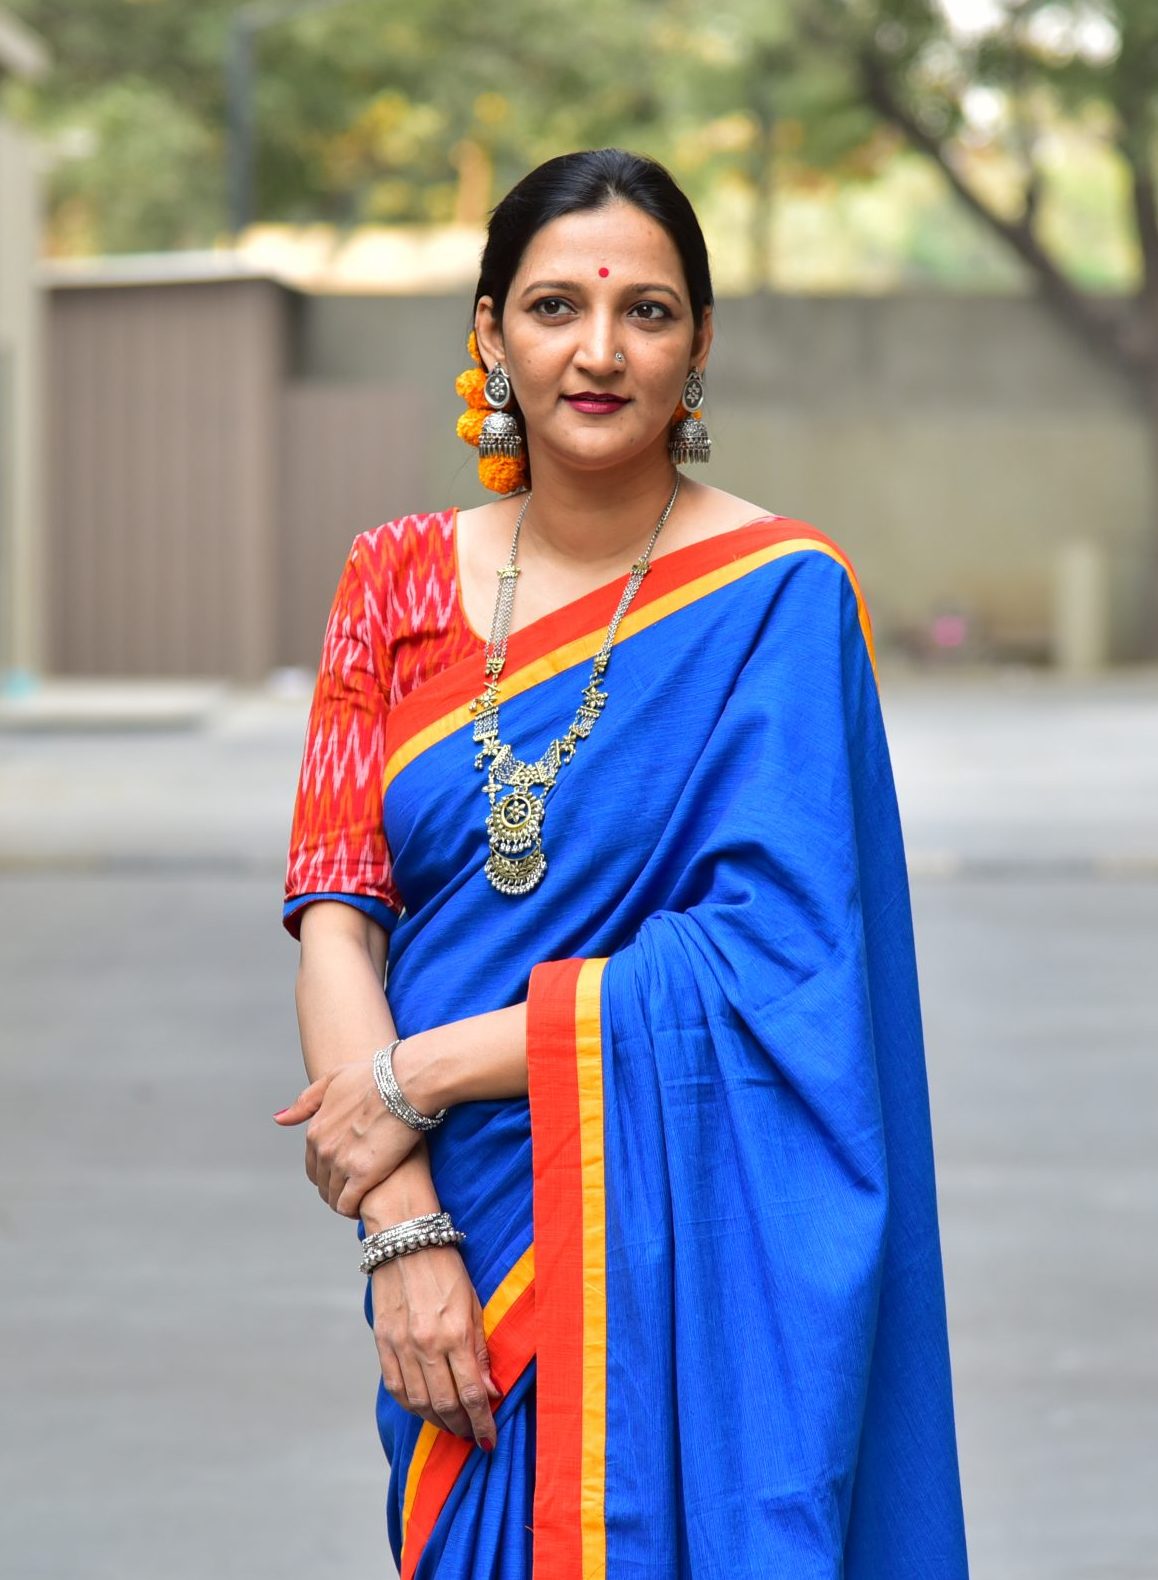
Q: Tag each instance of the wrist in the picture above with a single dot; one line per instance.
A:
(423, 1071)
(407, 1193)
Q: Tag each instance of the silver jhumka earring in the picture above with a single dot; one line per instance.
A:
(689, 439)
(500, 432)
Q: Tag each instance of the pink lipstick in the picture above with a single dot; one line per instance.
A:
(597, 405)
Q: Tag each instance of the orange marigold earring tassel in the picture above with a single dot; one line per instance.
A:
(689, 439)
(494, 433)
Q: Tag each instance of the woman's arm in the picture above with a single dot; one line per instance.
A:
(343, 1015)
(483, 1056)
(341, 1007)
(427, 1318)
(354, 1142)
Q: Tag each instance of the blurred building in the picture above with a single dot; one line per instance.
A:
(22, 53)
(217, 437)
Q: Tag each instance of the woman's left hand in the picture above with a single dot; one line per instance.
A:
(353, 1141)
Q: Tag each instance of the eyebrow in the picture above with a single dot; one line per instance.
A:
(573, 285)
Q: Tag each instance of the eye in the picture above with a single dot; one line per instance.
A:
(545, 302)
(656, 311)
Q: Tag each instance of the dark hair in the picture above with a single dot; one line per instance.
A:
(591, 179)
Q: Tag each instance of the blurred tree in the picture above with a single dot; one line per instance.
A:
(751, 96)
(373, 112)
(1001, 77)
(131, 110)
(370, 112)
(1002, 88)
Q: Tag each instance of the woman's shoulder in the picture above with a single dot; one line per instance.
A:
(425, 532)
(407, 568)
(725, 512)
(816, 568)
(715, 513)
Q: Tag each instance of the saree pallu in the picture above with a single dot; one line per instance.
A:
(706, 1243)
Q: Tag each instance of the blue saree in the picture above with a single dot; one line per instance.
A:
(706, 1244)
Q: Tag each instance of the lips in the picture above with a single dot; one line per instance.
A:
(589, 401)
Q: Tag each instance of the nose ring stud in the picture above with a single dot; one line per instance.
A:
(619, 357)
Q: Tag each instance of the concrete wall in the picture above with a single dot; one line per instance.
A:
(952, 444)
(216, 445)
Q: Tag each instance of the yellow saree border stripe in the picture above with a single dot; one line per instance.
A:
(593, 1453)
(585, 647)
(521, 1275)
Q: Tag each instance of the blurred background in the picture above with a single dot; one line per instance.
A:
(238, 246)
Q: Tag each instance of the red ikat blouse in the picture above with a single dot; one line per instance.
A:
(397, 619)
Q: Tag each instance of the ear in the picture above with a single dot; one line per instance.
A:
(702, 341)
(488, 331)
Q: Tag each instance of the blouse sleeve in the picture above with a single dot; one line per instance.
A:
(338, 847)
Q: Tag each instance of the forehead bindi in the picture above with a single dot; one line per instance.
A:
(615, 242)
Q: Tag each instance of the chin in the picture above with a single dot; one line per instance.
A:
(602, 460)
(602, 455)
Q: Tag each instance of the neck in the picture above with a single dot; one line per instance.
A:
(596, 518)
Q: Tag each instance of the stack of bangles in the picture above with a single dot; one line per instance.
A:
(391, 1093)
(432, 1228)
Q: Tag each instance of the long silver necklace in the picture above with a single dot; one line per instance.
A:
(518, 790)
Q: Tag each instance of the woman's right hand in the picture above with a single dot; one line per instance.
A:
(428, 1326)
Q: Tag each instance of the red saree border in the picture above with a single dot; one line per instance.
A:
(553, 1303)
(439, 1456)
(573, 633)
(565, 1088)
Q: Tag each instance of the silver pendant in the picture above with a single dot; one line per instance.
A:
(516, 862)
(515, 876)
(513, 823)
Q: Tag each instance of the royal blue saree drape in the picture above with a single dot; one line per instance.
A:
(707, 1243)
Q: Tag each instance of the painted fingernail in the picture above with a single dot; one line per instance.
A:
(487, 1445)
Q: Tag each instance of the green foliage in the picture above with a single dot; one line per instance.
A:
(363, 110)
(370, 111)
(128, 199)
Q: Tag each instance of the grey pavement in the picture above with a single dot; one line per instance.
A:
(186, 1377)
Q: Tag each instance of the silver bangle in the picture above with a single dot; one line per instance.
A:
(391, 1093)
(414, 1234)
(410, 1228)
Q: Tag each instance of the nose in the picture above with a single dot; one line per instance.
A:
(599, 343)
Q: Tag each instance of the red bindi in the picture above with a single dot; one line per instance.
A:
(604, 273)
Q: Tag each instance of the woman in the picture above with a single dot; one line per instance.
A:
(661, 1055)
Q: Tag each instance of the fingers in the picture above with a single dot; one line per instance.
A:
(471, 1395)
(341, 1184)
(306, 1104)
(392, 1375)
(426, 1389)
(349, 1198)
(340, 1191)
(444, 1397)
(346, 1153)
(317, 1167)
(403, 1370)
(414, 1396)
(435, 1367)
(481, 1353)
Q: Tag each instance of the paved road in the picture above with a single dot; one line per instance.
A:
(187, 1379)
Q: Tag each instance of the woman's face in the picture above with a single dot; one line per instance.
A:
(591, 284)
